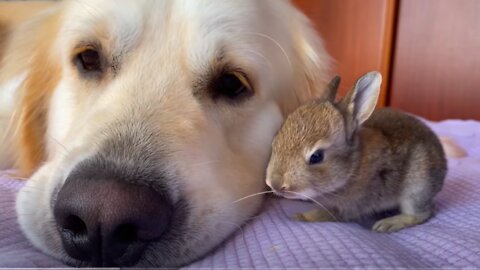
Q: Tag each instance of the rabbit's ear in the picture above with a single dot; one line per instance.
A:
(360, 101)
(331, 90)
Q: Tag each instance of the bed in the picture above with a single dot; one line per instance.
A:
(272, 240)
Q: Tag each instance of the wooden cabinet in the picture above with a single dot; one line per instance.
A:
(357, 34)
(436, 70)
(427, 50)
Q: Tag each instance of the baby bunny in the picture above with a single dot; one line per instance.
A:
(356, 161)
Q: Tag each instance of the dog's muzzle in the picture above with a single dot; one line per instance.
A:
(107, 219)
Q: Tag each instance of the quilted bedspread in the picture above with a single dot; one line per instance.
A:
(272, 240)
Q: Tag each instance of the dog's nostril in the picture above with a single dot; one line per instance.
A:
(126, 233)
(73, 231)
(75, 225)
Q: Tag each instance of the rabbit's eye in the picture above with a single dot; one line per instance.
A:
(316, 157)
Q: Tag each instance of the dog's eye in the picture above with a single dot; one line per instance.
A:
(89, 61)
(316, 157)
(232, 86)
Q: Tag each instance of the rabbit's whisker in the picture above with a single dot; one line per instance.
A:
(253, 195)
(315, 201)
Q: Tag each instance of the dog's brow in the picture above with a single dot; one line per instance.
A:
(216, 66)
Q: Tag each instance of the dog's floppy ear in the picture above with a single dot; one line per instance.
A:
(42, 78)
(311, 62)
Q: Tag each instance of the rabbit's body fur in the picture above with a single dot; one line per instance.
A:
(406, 167)
(392, 160)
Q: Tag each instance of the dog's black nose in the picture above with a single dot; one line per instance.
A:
(106, 222)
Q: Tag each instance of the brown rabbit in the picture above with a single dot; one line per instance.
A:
(357, 161)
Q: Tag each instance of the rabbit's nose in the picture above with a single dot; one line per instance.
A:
(280, 187)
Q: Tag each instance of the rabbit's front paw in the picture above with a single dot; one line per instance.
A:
(395, 223)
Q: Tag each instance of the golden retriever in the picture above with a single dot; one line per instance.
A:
(139, 123)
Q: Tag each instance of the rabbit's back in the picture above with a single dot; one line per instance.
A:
(414, 146)
(401, 128)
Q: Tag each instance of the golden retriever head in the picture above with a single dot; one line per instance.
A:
(161, 117)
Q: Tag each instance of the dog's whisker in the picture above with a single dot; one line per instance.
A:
(58, 143)
(237, 226)
(253, 195)
(315, 201)
(269, 64)
(275, 42)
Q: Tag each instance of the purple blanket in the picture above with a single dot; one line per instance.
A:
(272, 240)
